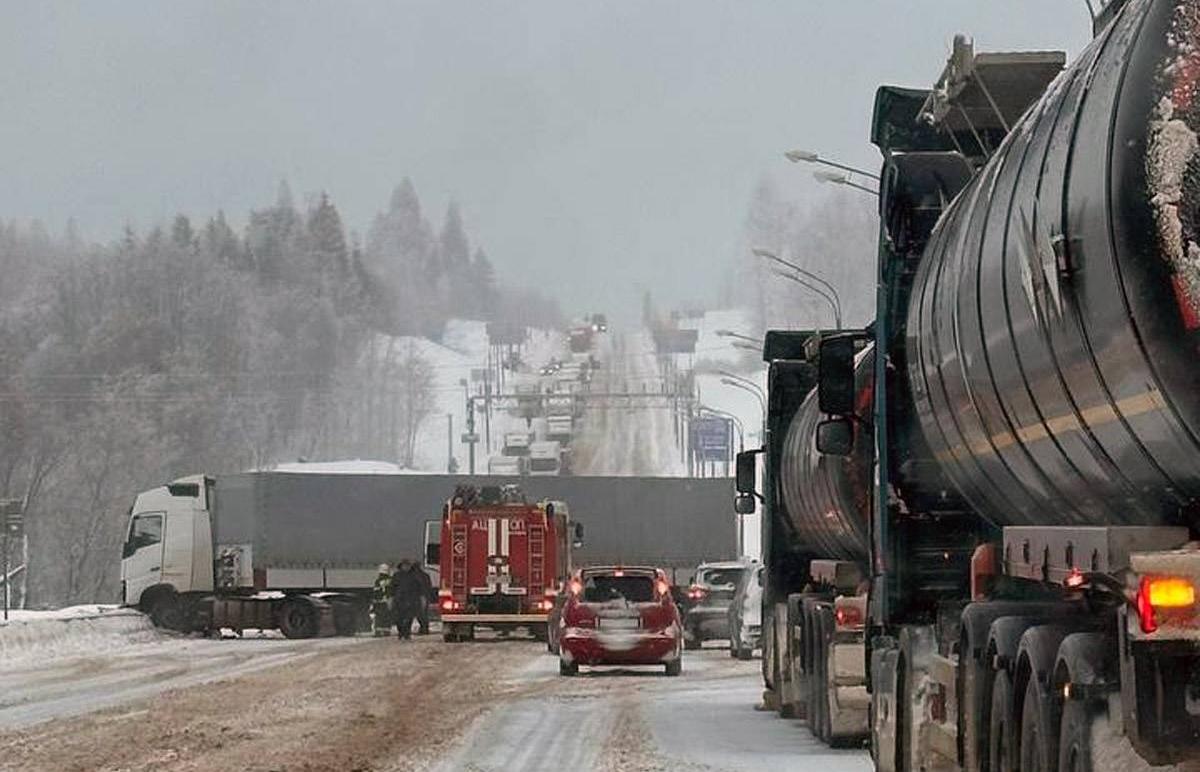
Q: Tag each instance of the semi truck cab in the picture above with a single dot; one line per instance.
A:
(168, 545)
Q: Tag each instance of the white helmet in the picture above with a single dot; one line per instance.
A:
(384, 568)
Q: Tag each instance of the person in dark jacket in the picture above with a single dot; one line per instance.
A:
(407, 592)
(427, 597)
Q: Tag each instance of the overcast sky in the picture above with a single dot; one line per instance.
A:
(597, 148)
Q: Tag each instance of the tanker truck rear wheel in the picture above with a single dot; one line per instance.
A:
(1000, 728)
(1038, 752)
(1079, 722)
(297, 619)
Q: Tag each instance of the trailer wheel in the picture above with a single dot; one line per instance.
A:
(297, 619)
(1079, 718)
(346, 617)
(1000, 730)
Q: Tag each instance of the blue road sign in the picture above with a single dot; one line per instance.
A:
(710, 438)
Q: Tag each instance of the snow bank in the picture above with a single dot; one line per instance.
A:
(42, 635)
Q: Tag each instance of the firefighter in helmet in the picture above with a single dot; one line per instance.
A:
(381, 601)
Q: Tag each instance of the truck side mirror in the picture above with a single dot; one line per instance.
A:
(433, 554)
(744, 504)
(746, 472)
(835, 437)
(835, 376)
(578, 540)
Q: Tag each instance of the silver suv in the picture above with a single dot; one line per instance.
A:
(709, 595)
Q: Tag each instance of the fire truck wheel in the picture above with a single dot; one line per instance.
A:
(450, 633)
(540, 633)
(1075, 740)
(568, 668)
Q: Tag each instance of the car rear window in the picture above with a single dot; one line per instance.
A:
(601, 588)
(716, 577)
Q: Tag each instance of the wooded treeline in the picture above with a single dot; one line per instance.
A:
(194, 347)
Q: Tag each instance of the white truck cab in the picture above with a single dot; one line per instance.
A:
(168, 543)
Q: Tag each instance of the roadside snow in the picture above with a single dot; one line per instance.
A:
(39, 636)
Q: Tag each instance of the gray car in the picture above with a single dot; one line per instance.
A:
(709, 595)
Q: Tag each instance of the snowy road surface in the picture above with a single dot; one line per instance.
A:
(70, 686)
(366, 704)
(639, 719)
(635, 440)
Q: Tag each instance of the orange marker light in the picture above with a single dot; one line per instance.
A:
(1171, 592)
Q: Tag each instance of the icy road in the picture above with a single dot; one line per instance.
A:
(382, 705)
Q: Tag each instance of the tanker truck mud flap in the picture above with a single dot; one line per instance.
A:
(906, 699)
(849, 702)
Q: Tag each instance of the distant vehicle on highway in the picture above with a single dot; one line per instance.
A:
(560, 428)
(516, 443)
(706, 616)
(599, 323)
(545, 458)
(745, 614)
(620, 615)
(508, 466)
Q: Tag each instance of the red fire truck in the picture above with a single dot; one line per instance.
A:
(501, 559)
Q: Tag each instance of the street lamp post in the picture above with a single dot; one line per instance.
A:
(739, 336)
(807, 156)
(826, 290)
(837, 312)
(751, 388)
(841, 178)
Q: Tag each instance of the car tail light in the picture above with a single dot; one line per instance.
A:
(696, 592)
(1162, 593)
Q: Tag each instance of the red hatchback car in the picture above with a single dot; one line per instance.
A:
(619, 615)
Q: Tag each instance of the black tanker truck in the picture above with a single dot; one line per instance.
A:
(981, 511)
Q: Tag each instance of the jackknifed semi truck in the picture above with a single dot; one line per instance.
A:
(981, 511)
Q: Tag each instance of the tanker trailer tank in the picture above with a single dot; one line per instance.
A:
(1053, 328)
(827, 498)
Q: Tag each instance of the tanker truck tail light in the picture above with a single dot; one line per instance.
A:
(849, 612)
(1173, 596)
